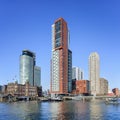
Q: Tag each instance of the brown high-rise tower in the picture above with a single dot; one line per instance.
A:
(60, 56)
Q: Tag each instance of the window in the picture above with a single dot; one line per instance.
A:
(58, 35)
(57, 26)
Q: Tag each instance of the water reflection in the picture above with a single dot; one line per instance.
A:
(70, 110)
(96, 109)
(26, 110)
(100, 111)
(67, 110)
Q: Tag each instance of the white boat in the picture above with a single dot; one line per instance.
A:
(58, 98)
(112, 101)
(79, 97)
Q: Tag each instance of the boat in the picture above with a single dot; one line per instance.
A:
(58, 99)
(79, 97)
(112, 101)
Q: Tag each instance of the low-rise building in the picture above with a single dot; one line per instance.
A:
(115, 91)
(4, 89)
(83, 87)
(16, 89)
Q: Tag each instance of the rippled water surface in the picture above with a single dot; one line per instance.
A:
(67, 110)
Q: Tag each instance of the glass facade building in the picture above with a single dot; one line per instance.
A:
(37, 75)
(28, 71)
(69, 71)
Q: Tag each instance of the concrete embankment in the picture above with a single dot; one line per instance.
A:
(86, 98)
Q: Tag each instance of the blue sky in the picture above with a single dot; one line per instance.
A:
(94, 26)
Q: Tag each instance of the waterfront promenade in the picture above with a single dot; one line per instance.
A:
(10, 98)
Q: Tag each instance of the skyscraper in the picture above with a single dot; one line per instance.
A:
(61, 63)
(28, 71)
(94, 73)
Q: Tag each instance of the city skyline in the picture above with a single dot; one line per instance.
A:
(94, 27)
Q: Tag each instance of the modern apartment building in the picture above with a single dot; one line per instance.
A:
(103, 86)
(61, 62)
(77, 74)
(94, 73)
(28, 71)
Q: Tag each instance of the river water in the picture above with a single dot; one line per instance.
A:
(67, 110)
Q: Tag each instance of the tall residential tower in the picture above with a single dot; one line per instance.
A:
(94, 73)
(61, 62)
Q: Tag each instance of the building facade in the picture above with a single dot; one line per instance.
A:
(69, 71)
(28, 71)
(37, 76)
(61, 59)
(103, 86)
(83, 87)
(94, 73)
(16, 89)
(0, 88)
(116, 91)
(77, 74)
